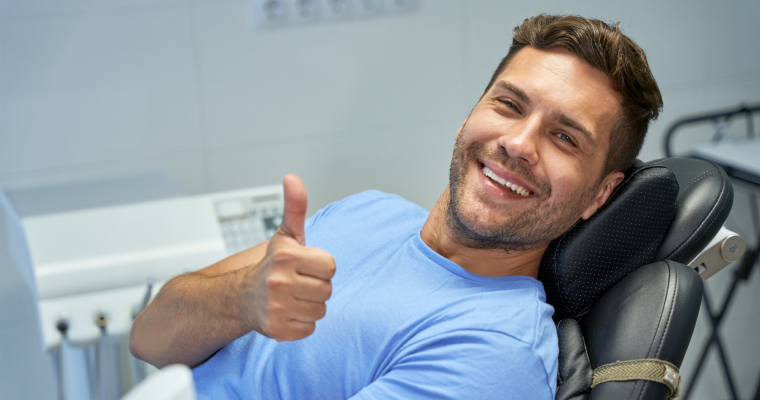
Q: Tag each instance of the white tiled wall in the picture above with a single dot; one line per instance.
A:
(93, 89)
(96, 88)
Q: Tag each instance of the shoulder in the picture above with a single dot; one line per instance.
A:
(369, 202)
(364, 221)
(367, 209)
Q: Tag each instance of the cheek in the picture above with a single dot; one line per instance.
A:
(565, 176)
(484, 125)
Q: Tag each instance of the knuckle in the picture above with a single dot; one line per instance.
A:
(274, 306)
(283, 255)
(277, 282)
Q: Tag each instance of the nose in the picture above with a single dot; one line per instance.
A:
(520, 140)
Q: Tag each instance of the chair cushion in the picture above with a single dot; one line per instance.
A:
(705, 197)
(624, 234)
(574, 372)
(650, 314)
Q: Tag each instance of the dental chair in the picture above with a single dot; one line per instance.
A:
(625, 302)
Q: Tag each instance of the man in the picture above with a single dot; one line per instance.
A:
(444, 305)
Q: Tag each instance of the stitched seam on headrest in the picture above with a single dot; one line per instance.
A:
(672, 307)
(723, 189)
(699, 178)
(585, 348)
(659, 321)
(711, 213)
(713, 171)
(643, 389)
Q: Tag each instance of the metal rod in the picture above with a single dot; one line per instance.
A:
(63, 327)
(727, 299)
(138, 366)
(146, 298)
(695, 374)
(728, 114)
(726, 368)
(715, 322)
(107, 360)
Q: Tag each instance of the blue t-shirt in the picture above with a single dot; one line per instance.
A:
(403, 322)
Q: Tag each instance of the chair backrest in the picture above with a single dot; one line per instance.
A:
(619, 275)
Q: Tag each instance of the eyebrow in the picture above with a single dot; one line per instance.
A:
(514, 89)
(571, 123)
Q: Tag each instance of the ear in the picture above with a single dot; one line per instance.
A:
(609, 183)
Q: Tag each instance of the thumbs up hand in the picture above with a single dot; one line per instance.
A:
(286, 293)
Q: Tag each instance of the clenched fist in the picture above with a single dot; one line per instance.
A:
(286, 294)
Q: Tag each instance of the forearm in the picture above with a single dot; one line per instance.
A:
(192, 317)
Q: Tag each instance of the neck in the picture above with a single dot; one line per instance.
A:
(487, 262)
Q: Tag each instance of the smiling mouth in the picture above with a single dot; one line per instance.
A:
(512, 186)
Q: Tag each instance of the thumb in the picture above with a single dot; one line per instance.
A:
(294, 214)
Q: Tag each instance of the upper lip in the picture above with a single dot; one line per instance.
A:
(507, 175)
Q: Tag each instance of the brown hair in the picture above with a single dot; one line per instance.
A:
(606, 48)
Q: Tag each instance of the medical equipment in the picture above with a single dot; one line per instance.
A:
(738, 157)
(91, 266)
(174, 382)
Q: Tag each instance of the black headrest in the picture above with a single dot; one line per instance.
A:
(705, 197)
(624, 234)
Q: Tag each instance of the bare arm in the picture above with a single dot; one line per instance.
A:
(277, 288)
(195, 314)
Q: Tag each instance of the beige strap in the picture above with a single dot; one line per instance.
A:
(650, 369)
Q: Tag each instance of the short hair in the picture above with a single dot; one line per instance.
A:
(606, 48)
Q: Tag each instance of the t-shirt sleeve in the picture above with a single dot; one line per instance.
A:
(464, 364)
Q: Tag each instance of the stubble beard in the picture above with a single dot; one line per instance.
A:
(528, 230)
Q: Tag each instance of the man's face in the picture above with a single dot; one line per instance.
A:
(528, 161)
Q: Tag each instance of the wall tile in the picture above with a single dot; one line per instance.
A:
(96, 89)
(187, 169)
(330, 76)
(688, 44)
(412, 162)
(12, 10)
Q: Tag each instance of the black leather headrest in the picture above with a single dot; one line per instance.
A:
(624, 234)
(705, 197)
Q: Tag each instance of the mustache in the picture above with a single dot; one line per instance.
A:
(501, 157)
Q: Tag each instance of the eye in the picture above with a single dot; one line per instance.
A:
(566, 138)
(510, 104)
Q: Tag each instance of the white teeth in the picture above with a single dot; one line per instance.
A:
(515, 187)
